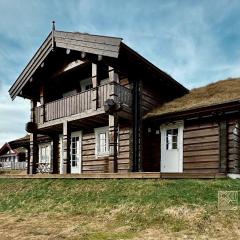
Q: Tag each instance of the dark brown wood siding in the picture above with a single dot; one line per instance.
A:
(124, 150)
(201, 148)
(149, 100)
(91, 164)
(151, 149)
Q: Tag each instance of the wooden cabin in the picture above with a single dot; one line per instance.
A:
(199, 132)
(88, 95)
(103, 108)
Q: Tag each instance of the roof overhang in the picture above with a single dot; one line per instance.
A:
(93, 44)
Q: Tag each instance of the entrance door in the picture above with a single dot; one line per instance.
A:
(75, 152)
(172, 147)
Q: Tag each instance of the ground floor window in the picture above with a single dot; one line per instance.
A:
(44, 163)
(102, 141)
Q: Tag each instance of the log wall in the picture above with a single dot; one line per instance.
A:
(91, 164)
(201, 148)
(233, 146)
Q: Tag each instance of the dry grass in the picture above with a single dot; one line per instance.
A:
(115, 209)
(215, 93)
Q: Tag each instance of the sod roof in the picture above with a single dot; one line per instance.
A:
(213, 94)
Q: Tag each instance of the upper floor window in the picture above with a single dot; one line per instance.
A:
(86, 84)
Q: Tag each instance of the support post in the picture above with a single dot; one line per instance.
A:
(113, 78)
(55, 154)
(95, 89)
(33, 153)
(113, 143)
(66, 148)
(33, 156)
(223, 146)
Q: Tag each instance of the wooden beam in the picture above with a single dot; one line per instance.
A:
(113, 148)
(33, 153)
(223, 147)
(94, 91)
(66, 148)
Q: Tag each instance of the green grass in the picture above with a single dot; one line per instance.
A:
(120, 209)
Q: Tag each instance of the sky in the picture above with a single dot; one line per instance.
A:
(196, 42)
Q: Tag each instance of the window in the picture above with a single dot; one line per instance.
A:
(102, 141)
(86, 84)
(75, 152)
(172, 139)
(45, 153)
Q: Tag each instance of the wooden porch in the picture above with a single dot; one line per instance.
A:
(130, 175)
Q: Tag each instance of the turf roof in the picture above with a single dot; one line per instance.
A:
(215, 93)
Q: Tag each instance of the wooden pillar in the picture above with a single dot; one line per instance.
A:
(113, 79)
(95, 88)
(223, 153)
(33, 156)
(113, 142)
(55, 153)
(66, 148)
(42, 102)
(33, 153)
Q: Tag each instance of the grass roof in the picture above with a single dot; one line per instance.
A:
(212, 94)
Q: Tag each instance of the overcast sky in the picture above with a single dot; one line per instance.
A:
(196, 42)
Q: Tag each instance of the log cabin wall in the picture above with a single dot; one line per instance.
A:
(149, 100)
(233, 130)
(151, 149)
(201, 147)
(91, 164)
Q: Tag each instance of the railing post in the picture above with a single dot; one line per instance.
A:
(33, 156)
(94, 91)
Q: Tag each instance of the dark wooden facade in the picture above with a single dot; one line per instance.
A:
(210, 140)
(78, 83)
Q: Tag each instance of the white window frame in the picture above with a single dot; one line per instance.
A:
(45, 145)
(98, 131)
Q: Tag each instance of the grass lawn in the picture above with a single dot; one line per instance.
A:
(115, 209)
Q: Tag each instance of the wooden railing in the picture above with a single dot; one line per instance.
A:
(82, 102)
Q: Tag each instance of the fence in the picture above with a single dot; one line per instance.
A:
(13, 165)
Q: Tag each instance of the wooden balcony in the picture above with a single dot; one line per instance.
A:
(84, 102)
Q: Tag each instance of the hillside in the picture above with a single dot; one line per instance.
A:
(115, 209)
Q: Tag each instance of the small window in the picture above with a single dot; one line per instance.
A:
(86, 84)
(102, 141)
(45, 154)
(172, 139)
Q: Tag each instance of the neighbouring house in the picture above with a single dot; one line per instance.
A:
(103, 108)
(14, 154)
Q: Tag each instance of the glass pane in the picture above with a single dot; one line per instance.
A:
(171, 139)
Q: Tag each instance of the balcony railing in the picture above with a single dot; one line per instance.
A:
(83, 102)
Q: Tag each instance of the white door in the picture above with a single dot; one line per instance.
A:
(172, 147)
(75, 152)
